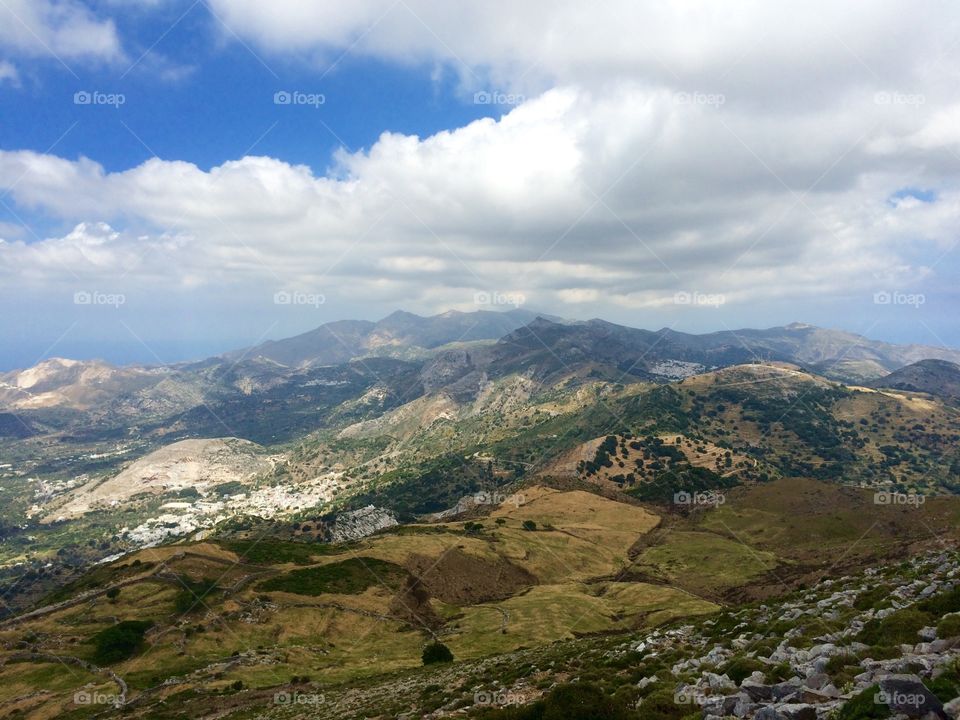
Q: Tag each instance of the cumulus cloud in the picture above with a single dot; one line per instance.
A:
(566, 199)
(63, 29)
(749, 151)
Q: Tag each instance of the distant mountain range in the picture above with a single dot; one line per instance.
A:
(400, 334)
(455, 351)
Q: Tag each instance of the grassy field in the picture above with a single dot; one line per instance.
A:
(704, 563)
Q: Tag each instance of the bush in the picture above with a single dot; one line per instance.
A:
(949, 627)
(740, 668)
(661, 705)
(580, 701)
(895, 629)
(529, 525)
(863, 707)
(436, 653)
(113, 593)
(347, 577)
(119, 641)
(193, 595)
(942, 604)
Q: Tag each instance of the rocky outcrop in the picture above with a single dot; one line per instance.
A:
(360, 523)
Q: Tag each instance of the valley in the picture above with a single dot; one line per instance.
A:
(272, 526)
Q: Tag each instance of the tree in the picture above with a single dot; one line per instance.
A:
(436, 653)
(119, 641)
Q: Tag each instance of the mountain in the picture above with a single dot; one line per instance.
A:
(71, 383)
(400, 334)
(834, 353)
(939, 378)
(650, 354)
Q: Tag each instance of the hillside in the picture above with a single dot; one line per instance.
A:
(228, 623)
(939, 378)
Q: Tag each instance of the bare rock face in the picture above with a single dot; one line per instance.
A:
(361, 523)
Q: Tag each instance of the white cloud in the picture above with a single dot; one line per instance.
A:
(63, 29)
(8, 73)
(748, 151)
(620, 201)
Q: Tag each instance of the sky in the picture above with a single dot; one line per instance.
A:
(183, 177)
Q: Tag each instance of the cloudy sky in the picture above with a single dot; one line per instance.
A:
(179, 177)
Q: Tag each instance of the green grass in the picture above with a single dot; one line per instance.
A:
(704, 561)
(276, 552)
(349, 577)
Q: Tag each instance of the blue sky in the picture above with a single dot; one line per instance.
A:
(656, 166)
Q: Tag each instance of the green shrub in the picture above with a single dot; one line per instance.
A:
(436, 653)
(863, 707)
(899, 627)
(119, 641)
(883, 652)
(941, 604)
(661, 705)
(740, 668)
(193, 595)
(349, 577)
(949, 627)
(580, 701)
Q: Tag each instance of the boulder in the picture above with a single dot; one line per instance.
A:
(908, 695)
